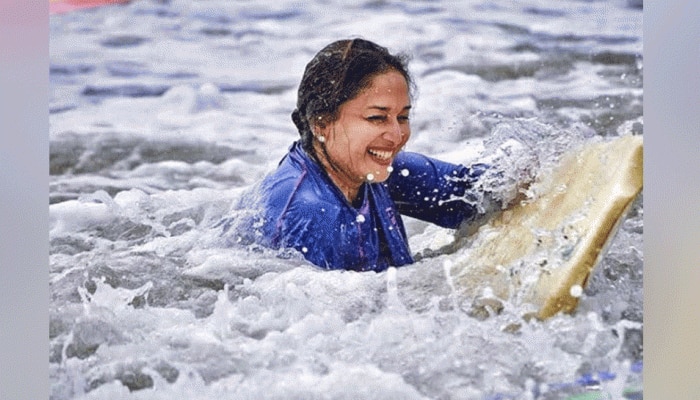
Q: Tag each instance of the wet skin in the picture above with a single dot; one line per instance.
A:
(370, 130)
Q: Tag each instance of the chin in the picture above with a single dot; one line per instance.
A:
(377, 176)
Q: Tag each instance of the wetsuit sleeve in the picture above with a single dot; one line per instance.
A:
(435, 191)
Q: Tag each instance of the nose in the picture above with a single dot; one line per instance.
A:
(395, 131)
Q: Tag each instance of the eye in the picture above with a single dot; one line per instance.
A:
(403, 118)
(376, 118)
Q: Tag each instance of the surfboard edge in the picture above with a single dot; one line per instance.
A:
(628, 188)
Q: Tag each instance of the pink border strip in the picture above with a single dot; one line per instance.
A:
(63, 6)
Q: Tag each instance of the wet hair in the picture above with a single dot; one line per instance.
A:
(338, 73)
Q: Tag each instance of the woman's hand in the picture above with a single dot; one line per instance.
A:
(513, 167)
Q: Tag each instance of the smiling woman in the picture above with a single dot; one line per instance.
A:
(338, 195)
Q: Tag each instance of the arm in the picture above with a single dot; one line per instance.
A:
(438, 192)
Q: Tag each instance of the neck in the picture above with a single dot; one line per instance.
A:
(347, 186)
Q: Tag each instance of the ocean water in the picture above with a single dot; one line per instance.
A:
(163, 112)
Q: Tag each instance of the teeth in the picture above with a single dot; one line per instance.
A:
(384, 155)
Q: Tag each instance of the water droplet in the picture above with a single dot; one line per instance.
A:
(370, 177)
(304, 250)
(576, 291)
(404, 172)
(360, 218)
(390, 169)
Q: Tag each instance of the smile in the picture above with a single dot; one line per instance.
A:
(381, 155)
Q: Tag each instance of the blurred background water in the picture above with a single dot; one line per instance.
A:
(163, 112)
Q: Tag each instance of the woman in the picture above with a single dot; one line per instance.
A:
(338, 195)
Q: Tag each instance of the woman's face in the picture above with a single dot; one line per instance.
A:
(369, 132)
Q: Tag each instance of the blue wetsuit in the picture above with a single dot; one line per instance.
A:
(304, 210)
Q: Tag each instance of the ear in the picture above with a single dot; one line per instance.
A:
(319, 127)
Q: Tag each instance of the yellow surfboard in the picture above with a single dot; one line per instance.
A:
(542, 251)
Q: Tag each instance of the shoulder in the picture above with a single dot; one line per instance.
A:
(295, 185)
(407, 158)
(299, 193)
(419, 162)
